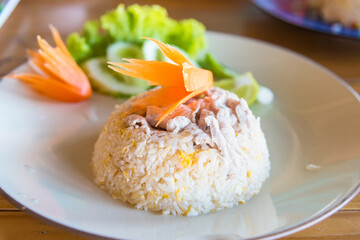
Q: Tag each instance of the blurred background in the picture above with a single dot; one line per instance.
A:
(238, 17)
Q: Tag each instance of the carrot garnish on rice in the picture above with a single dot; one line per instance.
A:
(179, 81)
(57, 75)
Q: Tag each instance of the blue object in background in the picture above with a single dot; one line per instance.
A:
(297, 13)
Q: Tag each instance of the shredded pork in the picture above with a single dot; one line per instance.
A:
(215, 119)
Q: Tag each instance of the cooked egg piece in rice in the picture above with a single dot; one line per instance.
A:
(209, 154)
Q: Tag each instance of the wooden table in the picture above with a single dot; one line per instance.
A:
(240, 17)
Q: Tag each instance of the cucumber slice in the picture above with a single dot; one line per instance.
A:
(119, 50)
(152, 52)
(104, 81)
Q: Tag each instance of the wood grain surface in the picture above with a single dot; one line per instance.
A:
(240, 17)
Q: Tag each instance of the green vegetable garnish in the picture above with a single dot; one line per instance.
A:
(245, 86)
(152, 52)
(188, 35)
(119, 50)
(220, 71)
(105, 81)
(78, 47)
(117, 35)
(129, 24)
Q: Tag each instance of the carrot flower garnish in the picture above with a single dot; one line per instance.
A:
(57, 75)
(179, 81)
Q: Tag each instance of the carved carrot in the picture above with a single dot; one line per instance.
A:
(57, 75)
(179, 81)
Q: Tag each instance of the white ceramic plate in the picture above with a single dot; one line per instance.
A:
(46, 148)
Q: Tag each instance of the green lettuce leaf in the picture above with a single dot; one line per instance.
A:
(189, 35)
(97, 41)
(137, 21)
(220, 71)
(131, 23)
(78, 47)
(117, 23)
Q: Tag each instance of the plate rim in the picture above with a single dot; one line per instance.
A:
(299, 227)
(352, 192)
(277, 234)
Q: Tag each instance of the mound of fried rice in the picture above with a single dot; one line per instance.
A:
(216, 159)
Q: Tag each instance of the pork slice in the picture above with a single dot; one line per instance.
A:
(202, 124)
(152, 114)
(137, 121)
(177, 124)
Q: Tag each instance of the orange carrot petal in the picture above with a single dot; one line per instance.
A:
(49, 87)
(196, 78)
(49, 53)
(59, 42)
(172, 53)
(179, 82)
(161, 97)
(175, 105)
(60, 64)
(58, 76)
(155, 72)
(196, 81)
(37, 63)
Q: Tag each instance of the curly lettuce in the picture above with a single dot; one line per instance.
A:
(78, 47)
(188, 31)
(137, 21)
(131, 23)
